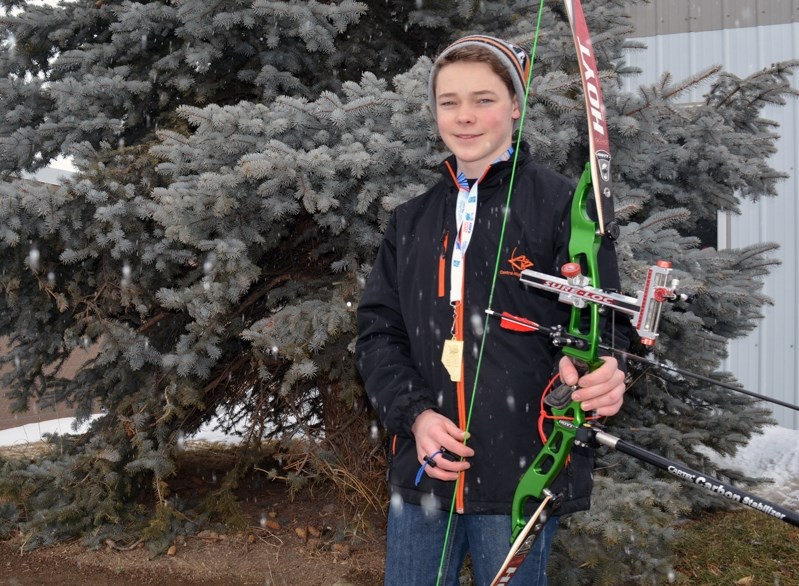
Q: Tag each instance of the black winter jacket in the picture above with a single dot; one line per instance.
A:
(405, 316)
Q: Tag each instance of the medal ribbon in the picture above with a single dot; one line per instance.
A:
(465, 215)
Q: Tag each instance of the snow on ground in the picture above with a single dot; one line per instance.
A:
(774, 455)
(33, 432)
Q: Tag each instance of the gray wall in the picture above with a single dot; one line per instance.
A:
(744, 37)
(665, 17)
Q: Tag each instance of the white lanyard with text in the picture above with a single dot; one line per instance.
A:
(465, 214)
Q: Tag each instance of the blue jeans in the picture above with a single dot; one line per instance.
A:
(415, 540)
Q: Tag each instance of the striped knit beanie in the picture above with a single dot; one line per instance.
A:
(514, 58)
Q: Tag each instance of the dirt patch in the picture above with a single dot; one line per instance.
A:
(311, 538)
(273, 560)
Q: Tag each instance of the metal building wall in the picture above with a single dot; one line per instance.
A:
(664, 17)
(767, 361)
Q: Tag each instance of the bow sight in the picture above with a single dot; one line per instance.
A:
(645, 309)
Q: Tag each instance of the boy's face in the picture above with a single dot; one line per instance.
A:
(475, 114)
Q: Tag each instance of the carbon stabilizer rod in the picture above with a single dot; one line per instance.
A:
(698, 478)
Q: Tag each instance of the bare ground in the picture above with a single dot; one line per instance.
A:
(313, 539)
(273, 559)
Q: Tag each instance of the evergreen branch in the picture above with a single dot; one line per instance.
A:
(665, 218)
(143, 328)
(670, 95)
(233, 367)
(257, 295)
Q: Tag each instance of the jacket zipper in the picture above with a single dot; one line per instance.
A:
(459, 496)
(461, 387)
(442, 264)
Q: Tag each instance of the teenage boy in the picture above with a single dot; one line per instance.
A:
(421, 320)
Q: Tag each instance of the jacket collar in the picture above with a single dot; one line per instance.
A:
(495, 174)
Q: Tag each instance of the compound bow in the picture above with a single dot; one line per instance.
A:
(583, 293)
(584, 244)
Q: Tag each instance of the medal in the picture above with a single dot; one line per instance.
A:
(452, 358)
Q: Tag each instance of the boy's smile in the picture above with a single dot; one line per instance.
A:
(475, 113)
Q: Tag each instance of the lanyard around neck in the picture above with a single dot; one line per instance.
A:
(465, 215)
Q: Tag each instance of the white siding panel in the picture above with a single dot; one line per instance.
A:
(663, 17)
(767, 361)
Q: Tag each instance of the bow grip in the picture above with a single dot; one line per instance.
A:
(584, 244)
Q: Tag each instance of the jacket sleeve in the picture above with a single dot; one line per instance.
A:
(382, 351)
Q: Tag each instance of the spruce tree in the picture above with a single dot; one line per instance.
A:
(237, 164)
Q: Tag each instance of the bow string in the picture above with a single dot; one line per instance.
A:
(585, 240)
(497, 263)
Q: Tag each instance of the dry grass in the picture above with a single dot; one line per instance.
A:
(740, 548)
(25, 451)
